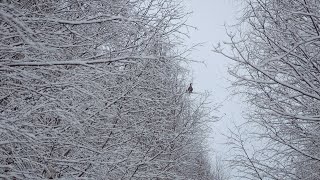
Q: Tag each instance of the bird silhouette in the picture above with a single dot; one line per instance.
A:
(190, 89)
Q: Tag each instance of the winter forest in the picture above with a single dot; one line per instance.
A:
(102, 89)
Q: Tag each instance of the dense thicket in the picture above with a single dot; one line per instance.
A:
(278, 67)
(95, 90)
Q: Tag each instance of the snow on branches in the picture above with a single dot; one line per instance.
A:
(277, 57)
(93, 90)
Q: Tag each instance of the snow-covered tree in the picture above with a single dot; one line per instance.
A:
(277, 56)
(96, 90)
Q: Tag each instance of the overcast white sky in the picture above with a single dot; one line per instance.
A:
(209, 16)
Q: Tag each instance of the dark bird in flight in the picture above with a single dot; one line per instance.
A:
(190, 89)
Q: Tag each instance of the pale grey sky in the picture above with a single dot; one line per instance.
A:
(209, 16)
